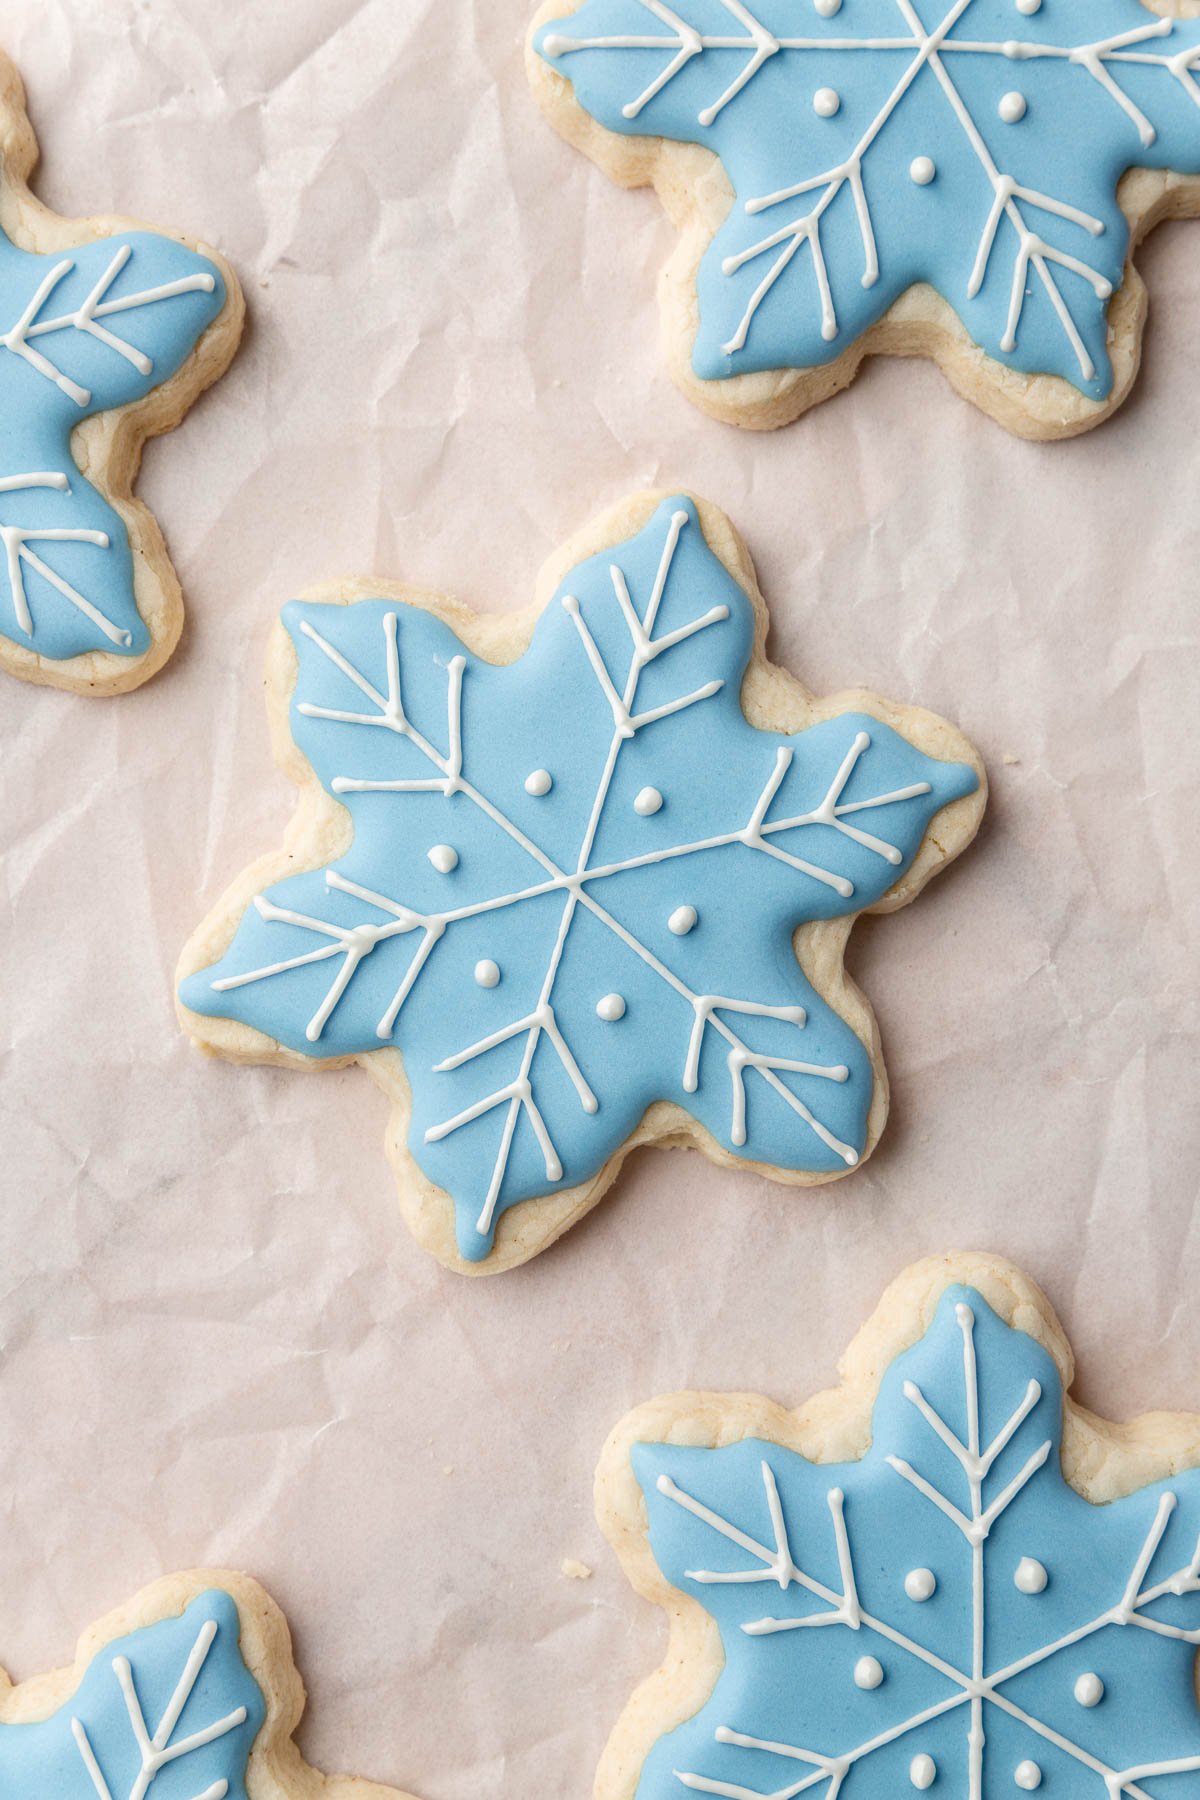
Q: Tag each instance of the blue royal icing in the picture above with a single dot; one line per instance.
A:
(82, 331)
(873, 144)
(574, 880)
(170, 1712)
(985, 1628)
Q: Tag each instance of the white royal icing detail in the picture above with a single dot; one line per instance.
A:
(868, 1672)
(538, 783)
(648, 802)
(920, 1584)
(932, 48)
(444, 858)
(16, 540)
(1029, 7)
(385, 710)
(922, 1771)
(1089, 1690)
(156, 1750)
(611, 1008)
(1030, 1577)
(922, 170)
(487, 973)
(975, 1685)
(85, 316)
(827, 102)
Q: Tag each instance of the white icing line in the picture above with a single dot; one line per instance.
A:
(16, 541)
(156, 1752)
(85, 316)
(977, 1688)
(353, 943)
(1096, 59)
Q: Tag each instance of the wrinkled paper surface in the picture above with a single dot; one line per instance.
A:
(218, 1344)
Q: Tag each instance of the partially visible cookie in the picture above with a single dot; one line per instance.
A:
(960, 179)
(942, 1574)
(590, 871)
(108, 332)
(187, 1692)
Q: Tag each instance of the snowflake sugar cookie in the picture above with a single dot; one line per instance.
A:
(108, 332)
(565, 889)
(896, 1587)
(944, 178)
(188, 1692)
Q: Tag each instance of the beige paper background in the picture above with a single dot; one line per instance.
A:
(217, 1344)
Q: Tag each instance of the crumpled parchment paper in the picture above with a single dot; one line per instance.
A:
(217, 1342)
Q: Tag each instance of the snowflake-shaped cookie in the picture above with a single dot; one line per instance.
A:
(945, 1613)
(924, 177)
(567, 887)
(107, 334)
(162, 1705)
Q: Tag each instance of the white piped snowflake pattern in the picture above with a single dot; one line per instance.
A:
(168, 1712)
(603, 907)
(157, 1749)
(934, 110)
(82, 333)
(1002, 1669)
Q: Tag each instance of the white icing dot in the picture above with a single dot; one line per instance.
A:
(1089, 1690)
(826, 102)
(922, 1771)
(1030, 1577)
(920, 1584)
(868, 1672)
(827, 8)
(539, 783)
(682, 920)
(648, 801)
(1013, 107)
(444, 857)
(487, 973)
(553, 44)
(612, 1008)
(1027, 1775)
(922, 169)
(1029, 7)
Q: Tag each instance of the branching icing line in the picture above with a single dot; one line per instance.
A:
(73, 586)
(829, 816)
(347, 946)
(672, 46)
(17, 539)
(156, 1750)
(973, 1689)
(86, 318)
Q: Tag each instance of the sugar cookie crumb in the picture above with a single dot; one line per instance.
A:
(575, 1571)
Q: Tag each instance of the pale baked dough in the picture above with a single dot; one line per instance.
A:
(276, 1770)
(697, 196)
(1102, 1460)
(107, 448)
(320, 830)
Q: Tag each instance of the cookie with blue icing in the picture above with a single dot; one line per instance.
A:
(108, 332)
(941, 1575)
(187, 1692)
(965, 180)
(577, 880)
